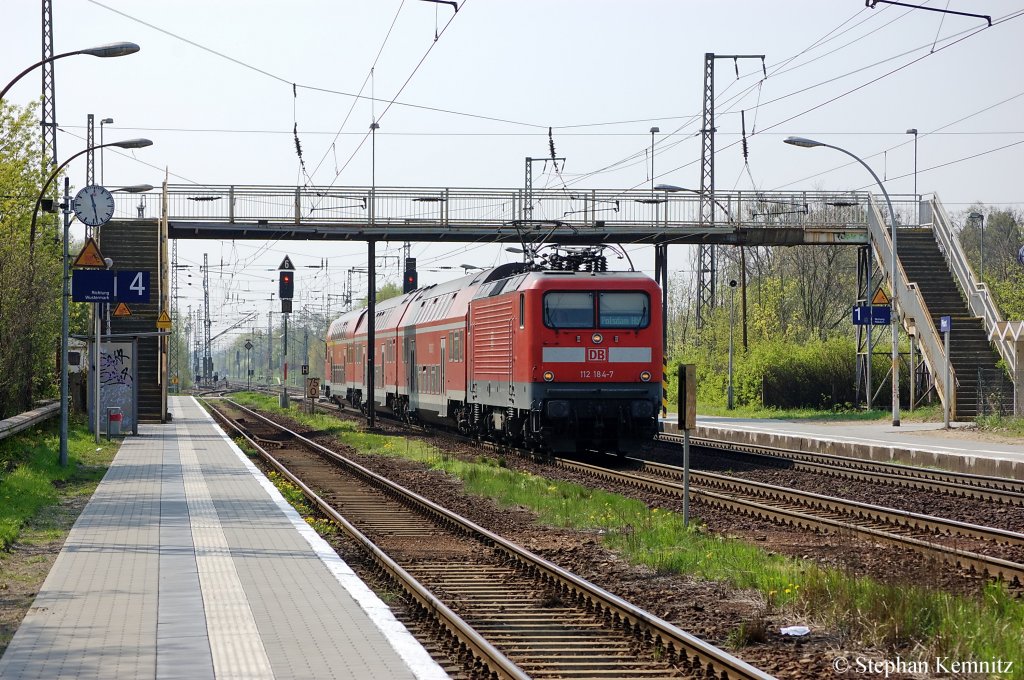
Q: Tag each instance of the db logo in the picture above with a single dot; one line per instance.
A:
(597, 354)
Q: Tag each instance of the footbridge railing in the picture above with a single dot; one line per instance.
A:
(664, 214)
(977, 293)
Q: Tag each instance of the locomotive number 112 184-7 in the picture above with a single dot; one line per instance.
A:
(597, 373)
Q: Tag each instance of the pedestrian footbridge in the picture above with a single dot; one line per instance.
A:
(660, 217)
(508, 215)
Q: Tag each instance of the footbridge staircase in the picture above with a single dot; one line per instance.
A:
(936, 280)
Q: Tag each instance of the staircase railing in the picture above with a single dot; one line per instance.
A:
(911, 304)
(977, 293)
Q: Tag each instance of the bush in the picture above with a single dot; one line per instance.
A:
(819, 374)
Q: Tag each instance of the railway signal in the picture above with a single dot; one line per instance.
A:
(410, 281)
(286, 289)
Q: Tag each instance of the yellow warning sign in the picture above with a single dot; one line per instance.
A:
(90, 256)
(174, 380)
(164, 320)
(880, 298)
(122, 310)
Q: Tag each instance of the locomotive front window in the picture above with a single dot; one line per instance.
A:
(624, 310)
(569, 310)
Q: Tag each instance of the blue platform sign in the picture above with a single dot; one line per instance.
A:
(132, 286)
(101, 285)
(945, 324)
(872, 315)
(881, 315)
(92, 285)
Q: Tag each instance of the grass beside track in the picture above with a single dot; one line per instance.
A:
(916, 621)
(31, 477)
(929, 413)
(1007, 425)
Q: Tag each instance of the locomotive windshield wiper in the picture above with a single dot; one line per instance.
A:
(643, 317)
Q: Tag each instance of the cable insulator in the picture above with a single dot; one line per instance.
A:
(743, 126)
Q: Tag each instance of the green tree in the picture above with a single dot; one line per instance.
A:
(386, 292)
(1004, 236)
(30, 273)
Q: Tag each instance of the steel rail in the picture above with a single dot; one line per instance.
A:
(1009, 572)
(903, 519)
(690, 650)
(497, 662)
(966, 485)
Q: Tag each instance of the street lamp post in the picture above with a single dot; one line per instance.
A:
(893, 267)
(64, 321)
(105, 121)
(913, 131)
(981, 218)
(118, 49)
(654, 130)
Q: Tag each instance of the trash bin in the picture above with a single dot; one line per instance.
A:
(114, 417)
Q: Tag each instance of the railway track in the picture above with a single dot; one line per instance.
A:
(959, 543)
(963, 485)
(823, 513)
(508, 613)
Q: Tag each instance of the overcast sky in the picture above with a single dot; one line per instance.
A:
(213, 88)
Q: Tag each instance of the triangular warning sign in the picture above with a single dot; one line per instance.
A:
(90, 256)
(880, 298)
(164, 320)
(122, 310)
(286, 264)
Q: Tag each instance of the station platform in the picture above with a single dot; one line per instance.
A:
(188, 563)
(959, 449)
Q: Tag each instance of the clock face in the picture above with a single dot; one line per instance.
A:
(93, 205)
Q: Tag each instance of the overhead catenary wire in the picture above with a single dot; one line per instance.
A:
(312, 88)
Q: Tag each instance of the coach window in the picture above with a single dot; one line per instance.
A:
(624, 310)
(522, 311)
(569, 310)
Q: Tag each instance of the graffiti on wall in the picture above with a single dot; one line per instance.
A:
(116, 367)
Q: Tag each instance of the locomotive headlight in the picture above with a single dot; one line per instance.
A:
(549, 376)
(645, 376)
(558, 408)
(597, 338)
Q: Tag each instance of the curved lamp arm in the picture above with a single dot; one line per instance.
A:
(118, 49)
(126, 144)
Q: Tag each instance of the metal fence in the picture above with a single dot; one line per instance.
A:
(995, 392)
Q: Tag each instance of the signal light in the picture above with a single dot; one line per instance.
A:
(549, 376)
(410, 282)
(287, 286)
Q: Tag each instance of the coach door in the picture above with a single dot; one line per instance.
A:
(441, 388)
(410, 362)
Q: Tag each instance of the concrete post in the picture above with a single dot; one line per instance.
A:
(1018, 377)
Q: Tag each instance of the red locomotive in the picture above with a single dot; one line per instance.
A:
(554, 360)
